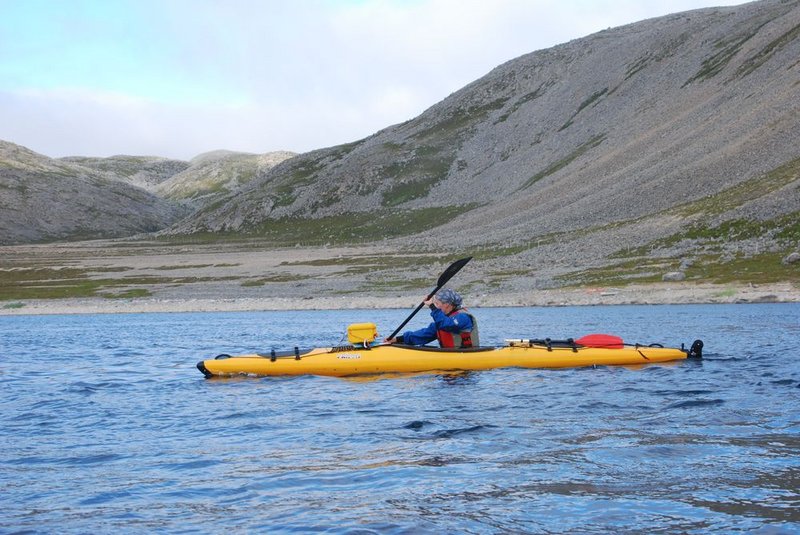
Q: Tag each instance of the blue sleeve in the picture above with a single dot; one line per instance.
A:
(420, 337)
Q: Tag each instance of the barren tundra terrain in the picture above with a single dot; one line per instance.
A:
(145, 276)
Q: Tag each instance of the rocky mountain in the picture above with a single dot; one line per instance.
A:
(47, 199)
(214, 175)
(637, 136)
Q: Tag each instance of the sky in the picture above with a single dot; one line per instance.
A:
(177, 78)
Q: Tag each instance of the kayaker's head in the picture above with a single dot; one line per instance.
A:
(449, 300)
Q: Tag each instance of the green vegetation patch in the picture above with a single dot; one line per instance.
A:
(132, 293)
(304, 171)
(784, 229)
(757, 269)
(787, 226)
(591, 101)
(754, 62)
(639, 270)
(655, 56)
(413, 177)
(522, 101)
(45, 283)
(727, 292)
(713, 268)
(189, 266)
(488, 253)
(460, 120)
(340, 151)
(401, 284)
(348, 228)
(498, 278)
(401, 192)
(274, 279)
(375, 263)
(726, 50)
(637, 66)
(351, 228)
(565, 161)
(177, 267)
(744, 192)
(51, 283)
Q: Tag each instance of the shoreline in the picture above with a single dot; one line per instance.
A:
(646, 294)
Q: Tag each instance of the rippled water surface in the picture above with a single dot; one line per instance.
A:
(107, 425)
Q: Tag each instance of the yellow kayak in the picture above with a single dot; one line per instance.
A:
(362, 359)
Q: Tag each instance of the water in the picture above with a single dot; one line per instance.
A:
(107, 425)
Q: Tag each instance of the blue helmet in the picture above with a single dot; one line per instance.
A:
(449, 296)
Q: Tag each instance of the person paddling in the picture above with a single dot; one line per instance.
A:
(453, 326)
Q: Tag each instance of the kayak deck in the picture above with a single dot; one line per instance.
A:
(365, 360)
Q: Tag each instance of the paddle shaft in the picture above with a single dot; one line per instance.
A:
(419, 307)
(448, 274)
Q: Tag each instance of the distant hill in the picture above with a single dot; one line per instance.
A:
(213, 175)
(47, 199)
(44, 199)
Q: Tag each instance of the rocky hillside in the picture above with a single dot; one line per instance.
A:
(214, 175)
(46, 199)
(641, 137)
(145, 172)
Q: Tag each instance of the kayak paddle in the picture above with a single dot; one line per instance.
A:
(448, 274)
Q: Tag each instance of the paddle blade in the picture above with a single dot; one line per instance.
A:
(448, 273)
(608, 341)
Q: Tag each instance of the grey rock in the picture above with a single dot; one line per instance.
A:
(674, 276)
(792, 258)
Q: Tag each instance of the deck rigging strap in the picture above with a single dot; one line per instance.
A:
(275, 355)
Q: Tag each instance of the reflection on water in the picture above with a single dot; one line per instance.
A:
(108, 425)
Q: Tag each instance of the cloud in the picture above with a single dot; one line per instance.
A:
(187, 76)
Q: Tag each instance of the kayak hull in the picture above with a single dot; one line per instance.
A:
(347, 361)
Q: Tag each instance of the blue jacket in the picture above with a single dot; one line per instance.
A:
(456, 323)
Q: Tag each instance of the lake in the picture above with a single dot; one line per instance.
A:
(108, 426)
